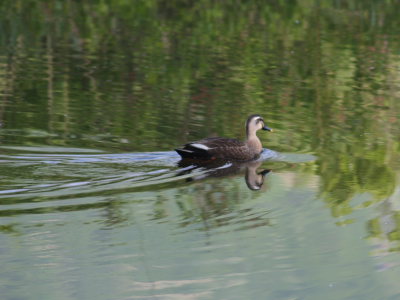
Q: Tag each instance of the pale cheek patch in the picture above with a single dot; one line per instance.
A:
(200, 146)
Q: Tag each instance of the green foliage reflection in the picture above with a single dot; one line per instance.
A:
(151, 75)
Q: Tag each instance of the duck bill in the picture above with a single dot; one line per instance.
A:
(267, 128)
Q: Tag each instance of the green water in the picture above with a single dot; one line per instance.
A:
(94, 97)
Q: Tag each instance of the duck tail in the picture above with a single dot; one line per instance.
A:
(190, 151)
(184, 153)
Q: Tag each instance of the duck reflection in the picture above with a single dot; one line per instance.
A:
(200, 169)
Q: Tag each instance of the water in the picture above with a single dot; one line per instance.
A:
(94, 97)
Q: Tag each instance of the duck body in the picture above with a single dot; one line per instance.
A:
(226, 148)
(219, 148)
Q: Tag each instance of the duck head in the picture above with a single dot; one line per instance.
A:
(255, 123)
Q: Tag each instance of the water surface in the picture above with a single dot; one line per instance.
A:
(94, 97)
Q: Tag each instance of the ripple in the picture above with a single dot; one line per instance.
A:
(68, 179)
(49, 149)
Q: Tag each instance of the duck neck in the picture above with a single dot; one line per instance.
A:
(253, 142)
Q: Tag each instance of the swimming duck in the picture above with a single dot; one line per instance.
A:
(228, 149)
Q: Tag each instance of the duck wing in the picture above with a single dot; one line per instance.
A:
(221, 148)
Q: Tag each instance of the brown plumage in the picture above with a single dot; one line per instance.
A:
(228, 149)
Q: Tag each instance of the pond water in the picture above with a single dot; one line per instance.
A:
(95, 96)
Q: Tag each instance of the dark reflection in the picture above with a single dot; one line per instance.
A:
(216, 203)
(113, 214)
(254, 178)
(9, 229)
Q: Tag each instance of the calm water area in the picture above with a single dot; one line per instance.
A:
(96, 95)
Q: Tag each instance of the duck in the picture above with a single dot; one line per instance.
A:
(226, 148)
